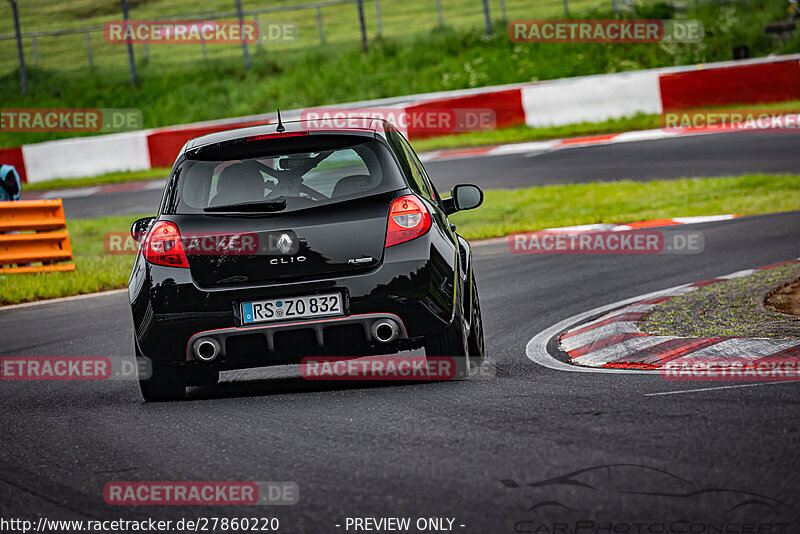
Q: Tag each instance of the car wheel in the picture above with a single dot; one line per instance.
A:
(452, 342)
(477, 352)
(164, 384)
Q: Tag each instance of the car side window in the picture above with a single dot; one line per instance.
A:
(425, 178)
(411, 165)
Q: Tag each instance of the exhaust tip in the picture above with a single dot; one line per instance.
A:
(385, 331)
(206, 349)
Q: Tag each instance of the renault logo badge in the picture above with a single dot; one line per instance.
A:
(285, 243)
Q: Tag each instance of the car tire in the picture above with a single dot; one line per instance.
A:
(452, 343)
(477, 351)
(164, 384)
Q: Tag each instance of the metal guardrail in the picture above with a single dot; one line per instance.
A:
(34, 231)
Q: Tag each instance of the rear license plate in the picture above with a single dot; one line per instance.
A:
(291, 308)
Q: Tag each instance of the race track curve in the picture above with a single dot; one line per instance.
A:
(463, 450)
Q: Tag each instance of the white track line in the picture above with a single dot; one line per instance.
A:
(716, 387)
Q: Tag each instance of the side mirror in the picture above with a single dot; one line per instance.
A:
(140, 227)
(463, 197)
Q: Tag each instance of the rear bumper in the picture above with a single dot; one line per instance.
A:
(413, 286)
(281, 343)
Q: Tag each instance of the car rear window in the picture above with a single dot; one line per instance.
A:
(333, 171)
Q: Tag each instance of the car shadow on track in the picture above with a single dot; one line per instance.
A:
(293, 385)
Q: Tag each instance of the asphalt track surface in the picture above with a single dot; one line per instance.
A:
(439, 449)
(434, 449)
(730, 154)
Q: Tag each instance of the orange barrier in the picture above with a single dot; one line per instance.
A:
(34, 231)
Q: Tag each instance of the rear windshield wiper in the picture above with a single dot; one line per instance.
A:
(264, 206)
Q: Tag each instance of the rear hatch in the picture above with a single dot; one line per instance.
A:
(284, 210)
(339, 239)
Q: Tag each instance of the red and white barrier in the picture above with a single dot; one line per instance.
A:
(13, 156)
(774, 81)
(506, 104)
(591, 98)
(86, 156)
(550, 103)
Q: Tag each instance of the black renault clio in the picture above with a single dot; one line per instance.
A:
(272, 244)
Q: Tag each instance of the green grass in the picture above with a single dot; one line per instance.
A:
(94, 270)
(422, 61)
(503, 212)
(340, 24)
(111, 178)
(536, 208)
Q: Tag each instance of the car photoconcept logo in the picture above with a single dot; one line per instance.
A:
(616, 489)
(285, 243)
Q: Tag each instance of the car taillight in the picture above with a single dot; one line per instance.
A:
(408, 219)
(163, 246)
